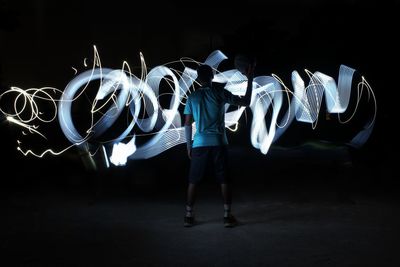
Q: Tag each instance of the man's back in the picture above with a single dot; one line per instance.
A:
(207, 106)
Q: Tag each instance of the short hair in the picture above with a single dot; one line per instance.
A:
(205, 73)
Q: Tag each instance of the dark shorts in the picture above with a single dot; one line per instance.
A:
(213, 157)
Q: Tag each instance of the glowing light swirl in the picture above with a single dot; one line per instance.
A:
(26, 109)
(121, 90)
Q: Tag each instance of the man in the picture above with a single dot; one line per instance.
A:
(206, 106)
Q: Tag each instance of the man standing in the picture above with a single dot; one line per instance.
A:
(206, 107)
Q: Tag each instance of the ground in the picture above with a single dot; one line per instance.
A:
(340, 218)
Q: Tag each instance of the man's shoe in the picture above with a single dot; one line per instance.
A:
(230, 221)
(188, 221)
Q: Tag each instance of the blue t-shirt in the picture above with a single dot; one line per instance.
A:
(207, 105)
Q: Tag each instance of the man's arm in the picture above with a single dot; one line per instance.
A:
(250, 75)
(245, 100)
(188, 133)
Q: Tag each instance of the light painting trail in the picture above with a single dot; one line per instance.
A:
(159, 128)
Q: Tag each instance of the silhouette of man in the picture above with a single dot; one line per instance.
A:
(206, 106)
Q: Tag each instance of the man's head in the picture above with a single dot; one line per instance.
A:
(205, 74)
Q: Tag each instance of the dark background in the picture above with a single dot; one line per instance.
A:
(347, 198)
(42, 40)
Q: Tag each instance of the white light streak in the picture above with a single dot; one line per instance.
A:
(124, 93)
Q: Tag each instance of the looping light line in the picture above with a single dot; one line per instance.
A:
(120, 90)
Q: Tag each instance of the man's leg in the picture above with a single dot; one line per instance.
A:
(229, 219)
(227, 197)
(223, 177)
(197, 167)
(191, 197)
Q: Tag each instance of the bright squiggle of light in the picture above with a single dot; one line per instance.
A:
(29, 127)
(47, 151)
(120, 90)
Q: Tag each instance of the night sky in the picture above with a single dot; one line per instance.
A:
(41, 40)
